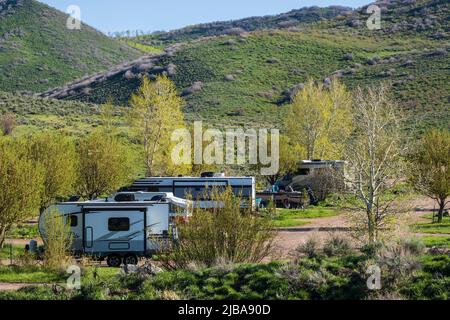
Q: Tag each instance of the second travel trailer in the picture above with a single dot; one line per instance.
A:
(121, 228)
(198, 189)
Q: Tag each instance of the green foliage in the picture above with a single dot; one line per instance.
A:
(439, 242)
(433, 228)
(39, 52)
(24, 231)
(293, 218)
(21, 182)
(55, 154)
(313, 278)
(430, 167)
(154, 115)
(104, 165)
(224, 234)
(57, 238)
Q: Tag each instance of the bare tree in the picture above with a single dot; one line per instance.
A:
(373, 154)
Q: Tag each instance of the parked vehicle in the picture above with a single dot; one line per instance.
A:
(123, 227)
(284, 199)
(198, 189)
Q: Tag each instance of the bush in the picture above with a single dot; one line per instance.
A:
(337, 245)
(57, 238)
(225, 234)
(310, 248)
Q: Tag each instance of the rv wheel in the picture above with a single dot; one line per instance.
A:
(114, 261)
(131, 260)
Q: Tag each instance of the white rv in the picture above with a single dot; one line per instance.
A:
(197, 188)
(121, 228)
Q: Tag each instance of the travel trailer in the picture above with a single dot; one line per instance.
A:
(123, 227)
(310, 171)
(197, 188)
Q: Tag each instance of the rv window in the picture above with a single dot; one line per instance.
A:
(73, 221)
(125, 197)
(119, 224)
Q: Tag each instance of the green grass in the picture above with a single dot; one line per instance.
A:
(144, 47)
(40, 52)
(286, 218)
(25, 231)
(253, 99)
(40, 275)
(436, 241)
(310, 213)
(434, 228)
(289, 223)
(29, 275)
(5, 252)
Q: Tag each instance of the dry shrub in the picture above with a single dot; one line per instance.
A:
(223, 235)
(337, 245)
(8, 122)
(58, 239)
(311, 248)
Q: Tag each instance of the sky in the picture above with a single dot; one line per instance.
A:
(165, 15)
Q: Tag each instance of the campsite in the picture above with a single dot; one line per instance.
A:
(302, 155)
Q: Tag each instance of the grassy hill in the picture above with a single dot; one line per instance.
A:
(247, 79)
(37, 114)
(288, 20)
(38, 52)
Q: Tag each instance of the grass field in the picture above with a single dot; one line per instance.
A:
(286, 218)
(433, 228)
(436, 241)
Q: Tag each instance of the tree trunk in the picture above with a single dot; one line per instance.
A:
(2, 237)
(441, 210)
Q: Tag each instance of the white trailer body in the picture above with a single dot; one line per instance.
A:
(103, 228)
(197, 188)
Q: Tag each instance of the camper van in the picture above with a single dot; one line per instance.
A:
(197, 188)
(123, 227)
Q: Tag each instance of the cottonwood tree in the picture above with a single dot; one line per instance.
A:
(55, 153)
(373, 154)
(21, 185)
(103, 165)
(319, 119)
(430, 168)
(156, 111)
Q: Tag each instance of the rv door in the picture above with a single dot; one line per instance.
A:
(108, 230)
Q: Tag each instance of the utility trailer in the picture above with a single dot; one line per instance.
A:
(138, 225)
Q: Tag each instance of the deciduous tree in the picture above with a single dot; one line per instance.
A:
(55, 153)
(21, 185)
(103, 165)
(319, 119)
(373, 154)
(430, 167)
(156, 111)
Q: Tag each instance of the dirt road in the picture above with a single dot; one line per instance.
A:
(290, 238)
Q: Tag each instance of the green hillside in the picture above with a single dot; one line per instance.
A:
(248, 79)
(288, 20)
(38, 52)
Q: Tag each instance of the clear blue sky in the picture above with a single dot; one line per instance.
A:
(153, 15)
